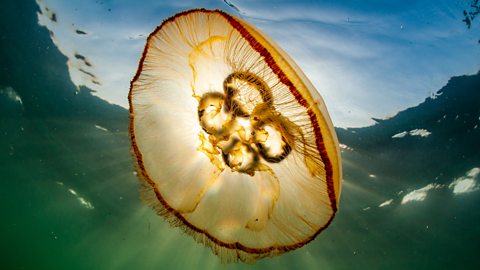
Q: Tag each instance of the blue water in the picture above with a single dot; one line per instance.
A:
(69, 195)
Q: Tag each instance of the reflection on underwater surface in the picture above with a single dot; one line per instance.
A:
(69, 195)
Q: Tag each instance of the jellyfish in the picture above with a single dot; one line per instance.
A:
(232, 142)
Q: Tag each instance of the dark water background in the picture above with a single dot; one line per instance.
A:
(59, 146)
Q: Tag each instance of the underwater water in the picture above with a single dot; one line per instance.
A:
(68, 188)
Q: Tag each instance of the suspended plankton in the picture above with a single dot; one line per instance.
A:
(232, 142)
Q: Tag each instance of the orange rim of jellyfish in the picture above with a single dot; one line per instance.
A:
(260, 48)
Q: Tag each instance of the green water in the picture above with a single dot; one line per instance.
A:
(69, 196)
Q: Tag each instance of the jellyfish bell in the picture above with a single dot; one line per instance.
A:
(232, 142)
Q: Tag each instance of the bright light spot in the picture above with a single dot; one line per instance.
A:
(385, 203)
(463, 185)
(400, 135)
(366, 208)
(11, 94)
(372, 176)
(473, 173)
(345, 147)
(85, 203)
(419, 194)
(420, 132)
(101, 128)
(466, 183)
(414, 132)
(435, 95)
